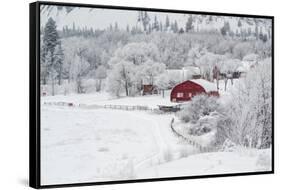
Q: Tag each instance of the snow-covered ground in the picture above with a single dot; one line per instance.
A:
(90, 145)
(97, 145)
(152, 101)
(212, 163)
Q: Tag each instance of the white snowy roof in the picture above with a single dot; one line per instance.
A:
(184, 73)
(208, 86)
(192, 70)
(241, 69)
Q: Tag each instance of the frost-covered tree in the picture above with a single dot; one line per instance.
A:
(121, 78)
(242, 49)
(100, 74)
(58, 62)
(79, 69)
(137, 53)
(207, 63)
(151, 70)
(251, 108)
(52, 73)
(163, 82)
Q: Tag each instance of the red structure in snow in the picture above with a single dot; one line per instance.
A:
(186, 90)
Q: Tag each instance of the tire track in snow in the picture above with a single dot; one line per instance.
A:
(159, 139)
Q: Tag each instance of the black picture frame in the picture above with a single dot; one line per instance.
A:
(34, 94)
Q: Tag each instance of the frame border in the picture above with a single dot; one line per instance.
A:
(34, 95)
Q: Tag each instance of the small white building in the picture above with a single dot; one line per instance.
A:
(186, 73)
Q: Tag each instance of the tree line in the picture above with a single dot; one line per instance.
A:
(76, 58)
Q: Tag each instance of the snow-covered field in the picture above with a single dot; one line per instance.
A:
(105, 99)
(88, 145)
(213, 163)
(98, 145)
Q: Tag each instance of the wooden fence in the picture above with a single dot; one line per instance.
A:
(128, 108)
(189, 140)
(95, 106)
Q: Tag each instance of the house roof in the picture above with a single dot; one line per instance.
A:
(208, 86)
(184, 73)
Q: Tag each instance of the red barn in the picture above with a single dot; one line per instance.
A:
(186, 90)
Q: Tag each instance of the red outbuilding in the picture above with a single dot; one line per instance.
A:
(186, 90)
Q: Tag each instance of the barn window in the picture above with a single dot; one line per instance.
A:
(189, 94)
(179, 94)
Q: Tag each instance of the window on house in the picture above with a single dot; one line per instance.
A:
(189, 94)
(179, 95)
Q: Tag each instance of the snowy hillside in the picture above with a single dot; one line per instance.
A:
(212, 163)
(102, 18)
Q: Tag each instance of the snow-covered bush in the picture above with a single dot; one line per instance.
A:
(184, 116)
(264, 161)
(203, 125)
(184, 152)
(228, 146)
(89, 85)
(205, 114)
(168, 155)
(201, 105)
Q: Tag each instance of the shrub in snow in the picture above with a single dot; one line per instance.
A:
(199, 106)
(204, 125)
(168, 155)
(184, 116)
(228, 146)
(128, 171)
(264, 161)
(184, 152)
(205, 114)
(103, 149)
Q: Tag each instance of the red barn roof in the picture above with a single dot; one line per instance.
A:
(186, 90)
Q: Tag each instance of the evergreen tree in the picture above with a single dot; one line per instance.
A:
(181, 31)
(257, 32)
(50, 38)
(110, 28)
(144, 19)
(58, 64)
(239, 23)
(50, 41)
(167, 23)
(161, 27)
(116, 28)
(188, 25)
(176, 28)
(156, 24)
(249, 31)
(225, 29)
(52, 74)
